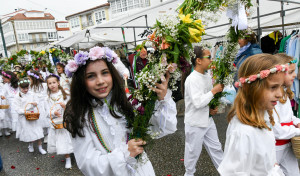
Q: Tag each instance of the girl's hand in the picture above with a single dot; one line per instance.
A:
(57, 113)
(217, 88)
(125, 76)
(135, 147)
(3, 97)
(67, 81)
(162, 88)
(62, 105)
(34, 104)
(213, 111)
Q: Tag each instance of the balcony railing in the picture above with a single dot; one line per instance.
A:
(37, 40)
(87, 24)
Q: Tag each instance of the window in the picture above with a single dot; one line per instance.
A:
(74, 22)
(52, 35)
(100, 17)
(23, 37)
(113, 7)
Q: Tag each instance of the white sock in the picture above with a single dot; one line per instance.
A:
(41, 150)
(68, 163)
(30, 147)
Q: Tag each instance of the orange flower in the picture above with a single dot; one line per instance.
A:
(151, 37)
(164, 45)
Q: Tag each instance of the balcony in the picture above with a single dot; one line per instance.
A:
(87, 24)
(38, 40)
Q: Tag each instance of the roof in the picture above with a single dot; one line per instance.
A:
(21, 16)
(61, 22)
(34, 11)
(62, 29)
(102, 5)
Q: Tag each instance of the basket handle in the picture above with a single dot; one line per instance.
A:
(51, 111)
(34, 106)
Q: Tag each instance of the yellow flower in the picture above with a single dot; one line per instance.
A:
(42, 52)
(53, 49)
(198, 21)
(50, 51)
(181, 11)
(186, 19)
(195, 35)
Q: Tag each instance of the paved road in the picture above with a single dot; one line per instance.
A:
(165, 155)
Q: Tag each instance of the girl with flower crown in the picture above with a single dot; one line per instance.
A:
(99, 117)
(59, 140)
(9, 92)
(39, 88)
(200, 128)
(28, 131)
(286, 124)
(64, 81)
(249, 147)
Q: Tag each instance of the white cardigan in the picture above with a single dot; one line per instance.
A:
(93, 159)
(197, 95)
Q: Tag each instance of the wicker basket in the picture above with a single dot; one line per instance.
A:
(55, 125)
(296, 146)
(4, 106)
(31, 115)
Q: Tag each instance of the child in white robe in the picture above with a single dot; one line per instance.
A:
(96, 117)
(9, 92)
(29, 130)
(200, 128)
(250, 142)
(64, 81)
(59, 140)
(286, 124)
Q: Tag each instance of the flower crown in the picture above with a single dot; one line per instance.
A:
(5, 74)
(95, 53)
(24, 81)
(32, 74)
(245, 33)
(261, 75)
(293, 61)
(51, 74)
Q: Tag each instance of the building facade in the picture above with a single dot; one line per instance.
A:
(90, 17)
(63, 29)
(28, 30)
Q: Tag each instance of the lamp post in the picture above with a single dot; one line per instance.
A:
(3, 40)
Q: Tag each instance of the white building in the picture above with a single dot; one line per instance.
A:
(87, 18)
(63, 29)
(28, 30)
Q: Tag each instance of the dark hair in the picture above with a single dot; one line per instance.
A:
(251, 38)
(13, 79)
(199, 53)
(36, 84)
(81, 100)
(59, 87)
(62, 66)
(24, 84)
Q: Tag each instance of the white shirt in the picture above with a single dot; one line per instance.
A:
(197, 95)
(93, 159)
(249, 151)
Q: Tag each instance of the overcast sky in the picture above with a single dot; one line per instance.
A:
(58, 8)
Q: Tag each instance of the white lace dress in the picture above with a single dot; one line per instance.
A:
(93, 159)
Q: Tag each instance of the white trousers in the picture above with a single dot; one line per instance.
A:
(194, 138)
(287, 160)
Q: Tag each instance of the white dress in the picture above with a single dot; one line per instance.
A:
(284, 153)
(63, 82)
(249, 151)
(10, 115)
(28, 131)
(4, 123)
(93, 159)
(59, 140)
(41, 97)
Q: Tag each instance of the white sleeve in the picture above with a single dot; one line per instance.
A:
(198, 97)
(238, 155)
(18, 105)
(121, 68)
(296, 120)
(164, 119)
(92, 161)
(285, 132)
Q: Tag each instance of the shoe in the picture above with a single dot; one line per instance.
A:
(6, 132)
(41, 150)
(30, 147)
(45, 139)
(68, 163)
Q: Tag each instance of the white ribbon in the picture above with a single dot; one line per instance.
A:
(50, 58)
(237, 13)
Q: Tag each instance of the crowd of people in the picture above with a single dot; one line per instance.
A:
(93, 108)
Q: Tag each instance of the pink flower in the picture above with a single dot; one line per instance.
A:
(172, 67)
(242, 80)
(237, 84)
(287, 67)
(96, 53)
(279, 67)
(164, 60)
(141, 110)
(72, 66)
(134, 102)
(164, 45)
(264, 74)
(253, 78)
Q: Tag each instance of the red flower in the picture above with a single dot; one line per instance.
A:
(62, 160)
(12, 167)
(11, 58)
(52, 156)
(37, 168)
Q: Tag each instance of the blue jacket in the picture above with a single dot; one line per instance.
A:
(252, 50)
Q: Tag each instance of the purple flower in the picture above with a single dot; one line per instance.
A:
(67, 72)
(108, 54)
(81, 58)
(115, 60)
(130, 97)
(96, 53)
(134, 102)
(141, 110)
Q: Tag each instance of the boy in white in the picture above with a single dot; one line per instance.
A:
(199, 125)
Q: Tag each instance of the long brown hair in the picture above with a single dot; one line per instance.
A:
(59, 87)
(246, 104)
(288, 93)
(36, 84)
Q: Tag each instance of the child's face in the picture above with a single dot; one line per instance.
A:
(53, 84)
(290, 75)
(59, 69)
(24, 90)
(98, 79)
(272, 93)
(5, 80)
(206, 61)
